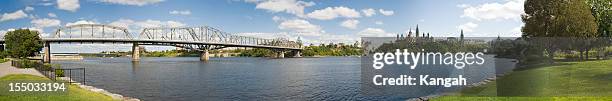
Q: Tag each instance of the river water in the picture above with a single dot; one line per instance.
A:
(187, 78)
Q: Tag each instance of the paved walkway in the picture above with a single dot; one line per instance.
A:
(6, 69)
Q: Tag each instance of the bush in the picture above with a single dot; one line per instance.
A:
(3, 54)
(4, 60)
(58, 71)
(25, 63)
(572, 56)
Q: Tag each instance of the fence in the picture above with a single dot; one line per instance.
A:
(52, 71)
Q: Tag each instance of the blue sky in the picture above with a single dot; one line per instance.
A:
(315, 21)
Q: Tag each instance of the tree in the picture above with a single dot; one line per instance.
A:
(548, 20)
(22, 43)
(602, 11)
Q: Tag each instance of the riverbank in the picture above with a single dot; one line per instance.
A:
(590, 80)
(76, 92)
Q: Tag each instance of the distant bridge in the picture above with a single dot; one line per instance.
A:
(193, 38)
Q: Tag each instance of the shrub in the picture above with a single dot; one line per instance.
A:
(571, 56)
(3, 54)
(25, 63)
(58, 71)
(4, 60)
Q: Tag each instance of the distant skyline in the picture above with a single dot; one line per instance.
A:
(315, 21)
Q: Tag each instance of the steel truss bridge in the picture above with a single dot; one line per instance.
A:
(192, 38)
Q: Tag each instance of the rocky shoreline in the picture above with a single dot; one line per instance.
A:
(98, 90)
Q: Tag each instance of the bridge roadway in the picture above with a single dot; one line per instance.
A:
(99, 40)
(194, 38)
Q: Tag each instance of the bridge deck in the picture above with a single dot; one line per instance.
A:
(149, 41)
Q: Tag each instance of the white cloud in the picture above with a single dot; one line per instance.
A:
(512, 9)
(13, 16)
(80, 22)
(289, 6)
(125, 23)
(516, 31)
(368, 12)
(374, 32)
(46, 4)
(378, 22)
(174, 24)
(467, 27)
(302, 27)
(132, 2)
(350, 23)
(136, 26)
(69, 5)
(266, 35)
(463, 5)
(334, 12)
(52, 15)
(177, 12)
(385, 12)
(150, 23)
(42, 23)
(277, 18)
(28, 8)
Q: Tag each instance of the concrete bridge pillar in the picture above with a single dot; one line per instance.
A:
(47, 55)
(297, 54)
(135, 52)
(204, 56)
(280, 54)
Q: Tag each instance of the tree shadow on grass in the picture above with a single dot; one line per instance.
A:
(603, 77)
(535, 66)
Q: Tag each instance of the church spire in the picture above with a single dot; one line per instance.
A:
(461, 35)
(409, 32)
(417, 30)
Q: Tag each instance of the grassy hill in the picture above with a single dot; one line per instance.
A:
(567, 81)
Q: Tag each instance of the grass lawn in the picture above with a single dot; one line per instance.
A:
(74, 92)
(567, 81)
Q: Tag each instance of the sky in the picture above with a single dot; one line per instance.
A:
(313, 21)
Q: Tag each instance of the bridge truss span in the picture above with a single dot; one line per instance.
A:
(202, 38)
(214, 38)
(92, 31)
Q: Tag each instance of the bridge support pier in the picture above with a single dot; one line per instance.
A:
(204, 56)
(135, 52)
(47, 55)
(280, 54)
(297, 54)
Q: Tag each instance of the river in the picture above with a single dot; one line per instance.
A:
(237, 78)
